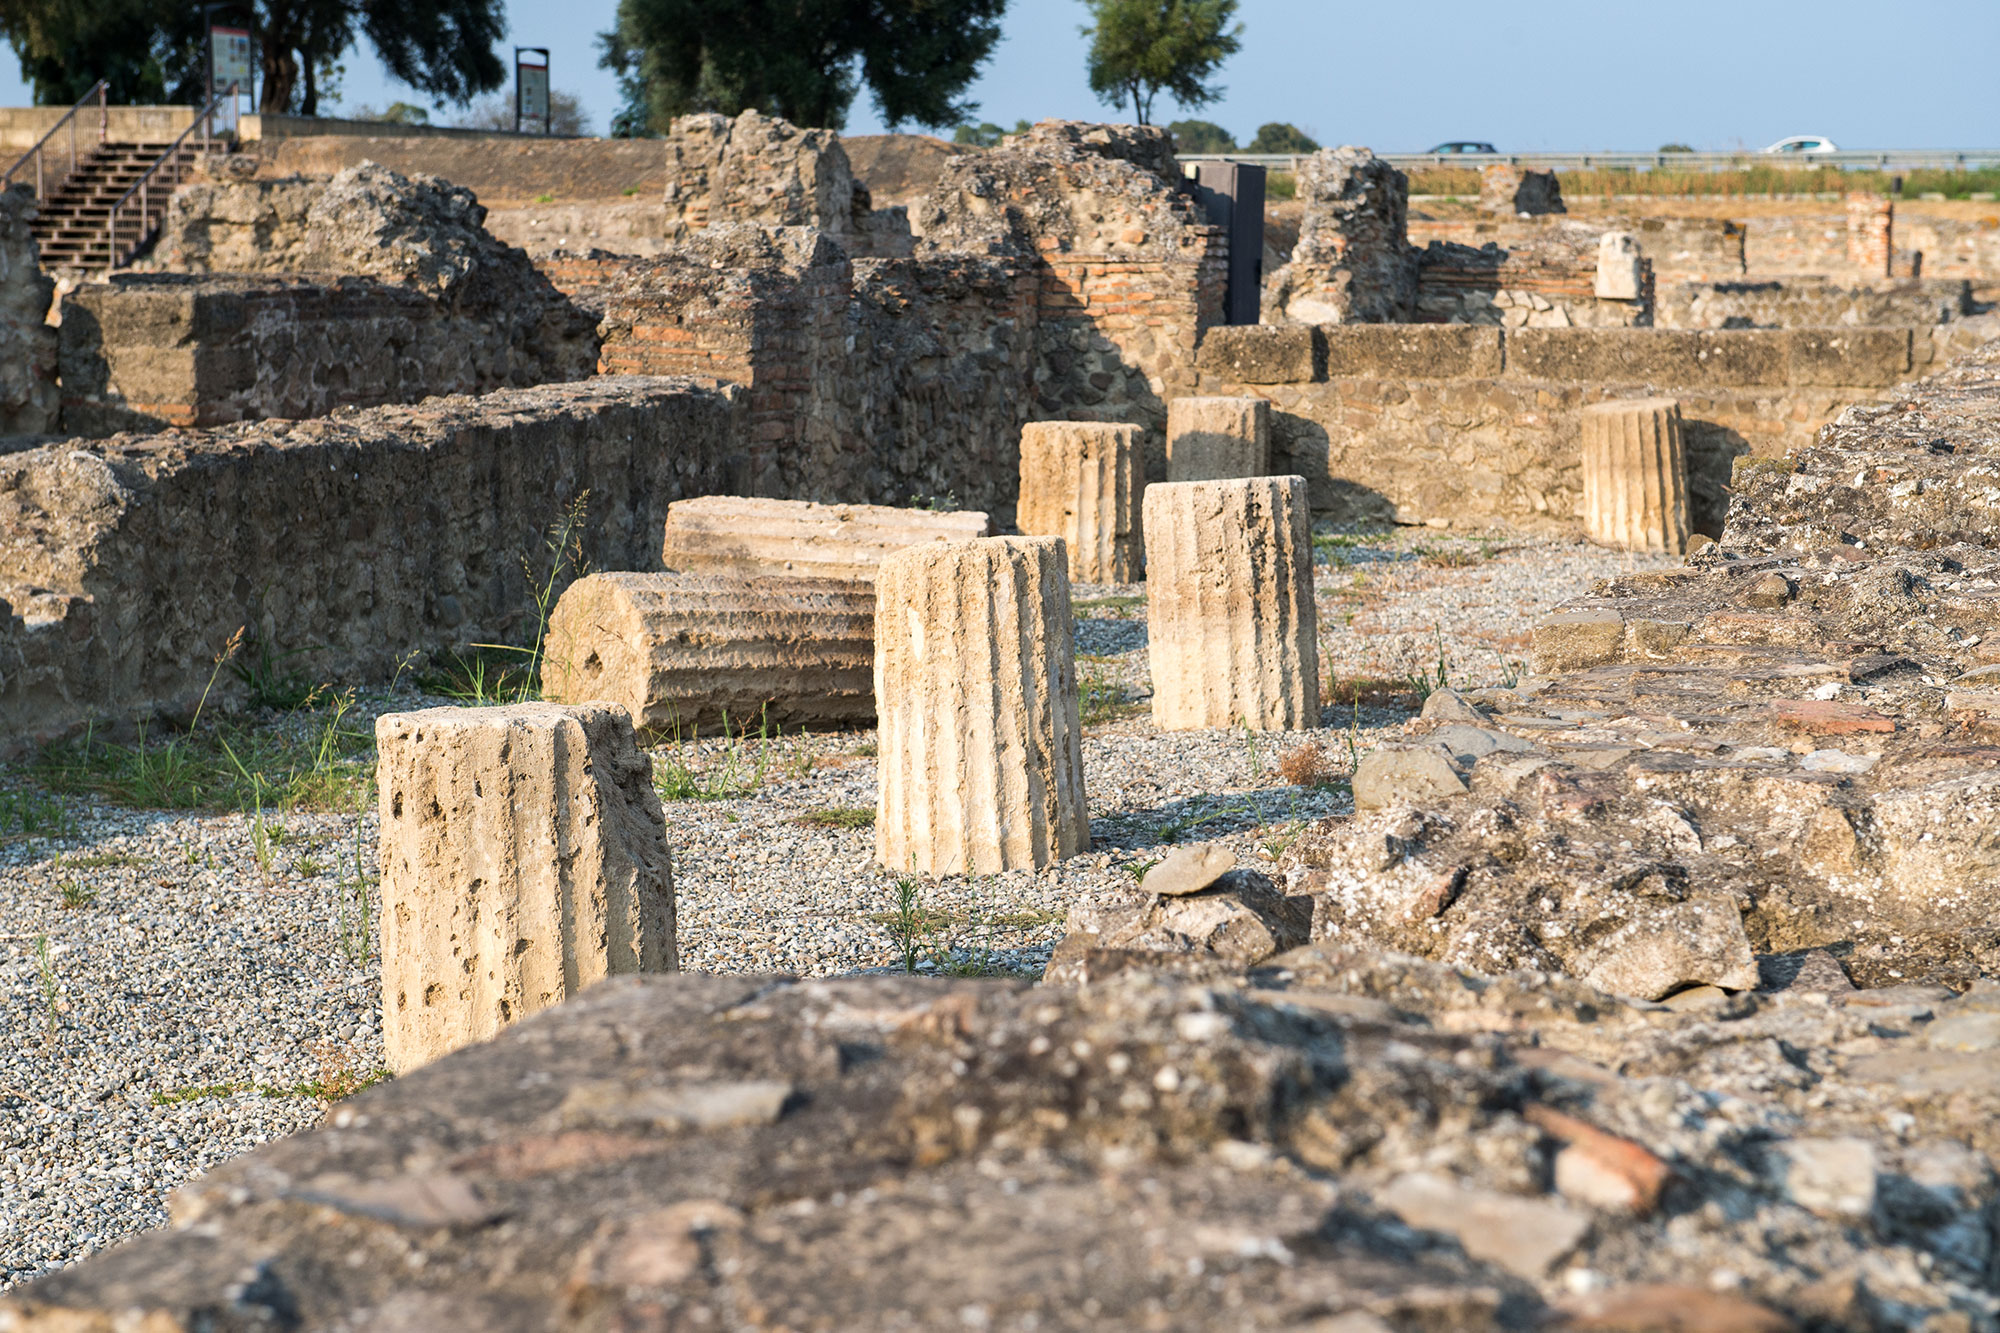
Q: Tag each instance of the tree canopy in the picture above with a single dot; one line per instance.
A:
(1278, 137)
(804, 60)
(152, 50)
(1201, 136)
(1142, 48)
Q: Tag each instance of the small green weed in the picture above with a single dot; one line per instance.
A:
(33, 814)
(51, 992)
(270, 683)
(197, 1093)
(1099, 695)
(937, 504)
(545, 198)
(1425, 681)
(1137, 869)
(101, 861)
(75, 895)
(736, 772)
(838, 816)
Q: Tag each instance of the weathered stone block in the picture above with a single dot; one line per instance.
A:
(1573, 640)
(524, 856)
(681, 651)
(1680, 357)
(1261, 353)
(980, 746)
(1081, 481)
(28, 399)
(1843, 357)
(1635, 495)
(1617, 267)
(723, 534)
(1406, 777)
(1231, 624)
(1212, 438)
(1412, 351)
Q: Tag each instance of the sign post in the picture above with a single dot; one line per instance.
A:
(531, 91)
(229, 65)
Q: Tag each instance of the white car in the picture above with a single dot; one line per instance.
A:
(1804, 143)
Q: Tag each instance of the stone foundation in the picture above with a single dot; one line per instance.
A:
(357, 538)
(28, 395)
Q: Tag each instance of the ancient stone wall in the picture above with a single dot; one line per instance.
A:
(757, 169)
(1811, 302)
(143, 351)
(1480, 425)
(1547, 285)
(1352, 263)
(358, 538)
(28, 401)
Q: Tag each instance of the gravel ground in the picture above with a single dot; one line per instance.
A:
(169, 999)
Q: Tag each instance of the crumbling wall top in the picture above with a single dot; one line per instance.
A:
(756, 168)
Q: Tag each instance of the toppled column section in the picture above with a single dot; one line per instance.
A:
(680, 651)
(1081, 481)
(1212, 438)
(1635, 476)
(723, 534)
(524, 856)
(1233, 634)
(981, 760)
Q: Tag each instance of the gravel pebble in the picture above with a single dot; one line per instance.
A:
(203, 1006)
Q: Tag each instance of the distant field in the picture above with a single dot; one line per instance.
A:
(1753, 181)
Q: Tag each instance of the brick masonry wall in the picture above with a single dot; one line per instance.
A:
(1479, 426)
(362, 537)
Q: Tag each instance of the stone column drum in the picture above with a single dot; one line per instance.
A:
(1212, 438)
(980, 754)
(1233, 635)
(1081, 481)
(524, 856)
(1635, 476)
(682, 651)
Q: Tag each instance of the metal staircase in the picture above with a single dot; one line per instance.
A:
(99, 206)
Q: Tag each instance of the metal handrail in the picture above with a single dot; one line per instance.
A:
(1905, 159)
(99, 90)
(204, 122)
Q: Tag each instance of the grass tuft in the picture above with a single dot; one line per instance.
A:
(838, 817)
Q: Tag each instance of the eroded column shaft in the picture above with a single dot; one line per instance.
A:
(1209, 439)
(1081, 481)
(1635, 476)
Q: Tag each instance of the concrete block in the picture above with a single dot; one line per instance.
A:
(524, 856)
(1635, 494)
(725, 534)
(1211, 438)
(1231, 624)
(980, 763)
(1081, 481)
(682, 651)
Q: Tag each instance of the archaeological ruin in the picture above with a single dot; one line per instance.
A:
(878, 540)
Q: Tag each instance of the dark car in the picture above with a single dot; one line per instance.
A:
(1463, 146)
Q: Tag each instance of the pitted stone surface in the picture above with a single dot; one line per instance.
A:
(1231, 623)
(524, 856)
(722, 534)
(981, 752)
(686, 651)
(28, 396)
(1081, 481)
(1209, 439)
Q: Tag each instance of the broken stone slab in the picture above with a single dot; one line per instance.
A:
(1238, 919)
(1618, 267)
(1081, 481)
(1834, 1177)
(1210, 439)
(726, 534)
(1410, 776)
(1635, 495)
(1697, 942)
(1572, 640)
(1232, 628)
(1448, 705)
(1522, 1234)
(524, 856)
(684, 651)
(1189, 870)
(980, 765)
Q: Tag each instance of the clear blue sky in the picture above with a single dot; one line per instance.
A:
(1535, 74)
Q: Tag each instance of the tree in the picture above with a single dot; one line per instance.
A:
(152, 50)
(986, 134)
(1201, 136)
(1142, 48)
(800, 59)
(1278, 137)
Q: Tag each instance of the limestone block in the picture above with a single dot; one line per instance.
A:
(1617, 267)
(1635, 493)
(1232, 629)
(1213, 438)
(1081, 481)
(681, 651)
(726, 534)
(980, 748)
(524, 856)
